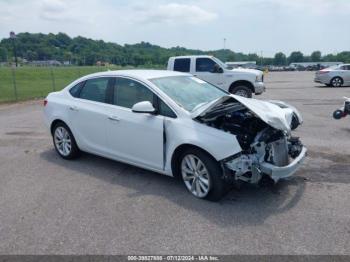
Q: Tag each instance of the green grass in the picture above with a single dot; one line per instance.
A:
(36, 82)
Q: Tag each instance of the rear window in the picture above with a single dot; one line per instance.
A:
(182, 64)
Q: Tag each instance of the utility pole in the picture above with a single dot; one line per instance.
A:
(261, 58)
(224, 43)
(13, 37)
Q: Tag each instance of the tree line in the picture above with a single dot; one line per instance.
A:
(84, 51)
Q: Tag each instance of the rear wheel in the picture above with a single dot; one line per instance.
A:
(64, 141)
(202, 175)
(337, 82)
(242, 91)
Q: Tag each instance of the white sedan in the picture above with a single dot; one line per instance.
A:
(175, 124)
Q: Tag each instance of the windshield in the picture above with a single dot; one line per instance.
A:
(188, 91)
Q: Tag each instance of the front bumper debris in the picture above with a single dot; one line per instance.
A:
(277, 172)
(251, 168)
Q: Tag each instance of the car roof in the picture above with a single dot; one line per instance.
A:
(138, 73)
(191, 56)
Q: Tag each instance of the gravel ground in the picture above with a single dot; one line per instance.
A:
(97, 206)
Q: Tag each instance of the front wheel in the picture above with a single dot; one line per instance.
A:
(202, 175)
(242, 91)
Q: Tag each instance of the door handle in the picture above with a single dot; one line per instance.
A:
(73, 108)
(114, 118)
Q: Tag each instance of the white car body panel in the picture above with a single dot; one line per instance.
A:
(138, 138)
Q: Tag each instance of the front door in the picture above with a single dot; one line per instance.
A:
(205, 70)
(134, 137)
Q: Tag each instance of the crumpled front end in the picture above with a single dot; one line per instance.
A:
(263, 130)
(272, 154)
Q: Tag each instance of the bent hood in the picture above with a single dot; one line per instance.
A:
(270, 113)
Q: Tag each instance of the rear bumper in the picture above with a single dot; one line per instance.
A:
(276, 172)
(322, 79)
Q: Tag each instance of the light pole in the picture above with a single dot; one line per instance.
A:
(13, 37)
(224, 43)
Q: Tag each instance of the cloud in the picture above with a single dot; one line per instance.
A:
(54, 10)
(173, 14)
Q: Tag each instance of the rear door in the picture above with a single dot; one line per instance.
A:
(182, 65)
(205, 70)
(88, 114)
(134, 137)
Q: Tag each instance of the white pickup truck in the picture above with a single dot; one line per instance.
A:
(239, 81)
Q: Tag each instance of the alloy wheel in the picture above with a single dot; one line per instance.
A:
(336, 82)
(195, 175)
(241, 92)
(63, 141)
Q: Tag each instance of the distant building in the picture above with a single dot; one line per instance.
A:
(45, 63)
(102, 63)
(244, 64)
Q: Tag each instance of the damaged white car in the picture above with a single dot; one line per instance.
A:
(175, 124)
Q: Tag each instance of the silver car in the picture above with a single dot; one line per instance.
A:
(335, 76)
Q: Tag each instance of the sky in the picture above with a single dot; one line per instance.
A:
(249, 26)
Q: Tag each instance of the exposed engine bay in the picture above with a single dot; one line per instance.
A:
(262, 145)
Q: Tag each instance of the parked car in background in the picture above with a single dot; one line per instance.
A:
(335, 76)
(175, 124)
(238, 81)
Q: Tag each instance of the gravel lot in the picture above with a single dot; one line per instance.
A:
(97, 206)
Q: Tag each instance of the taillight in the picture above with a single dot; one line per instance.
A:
(45, 102)
(323, 72)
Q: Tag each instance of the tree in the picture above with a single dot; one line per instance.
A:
(296, 57)
(3, 54)
(280, 59)
(316, 56)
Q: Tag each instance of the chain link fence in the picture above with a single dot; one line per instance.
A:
(24, 83)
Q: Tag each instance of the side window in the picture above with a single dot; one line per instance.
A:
(128, 92)
(205, 65)
(182, 64)
(75, 90)
(164, 110)
(95, 89)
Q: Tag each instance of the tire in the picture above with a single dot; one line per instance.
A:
(241, 90)
(337, 81)
(211, 185)
(338, 114)
(295, 122)
(64, 141)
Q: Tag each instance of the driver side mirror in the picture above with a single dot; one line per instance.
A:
(217, 69)
(143, 107)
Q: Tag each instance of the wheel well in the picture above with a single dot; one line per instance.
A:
(337, 77)
(241, 83)
(54, 123)
(176, 155)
